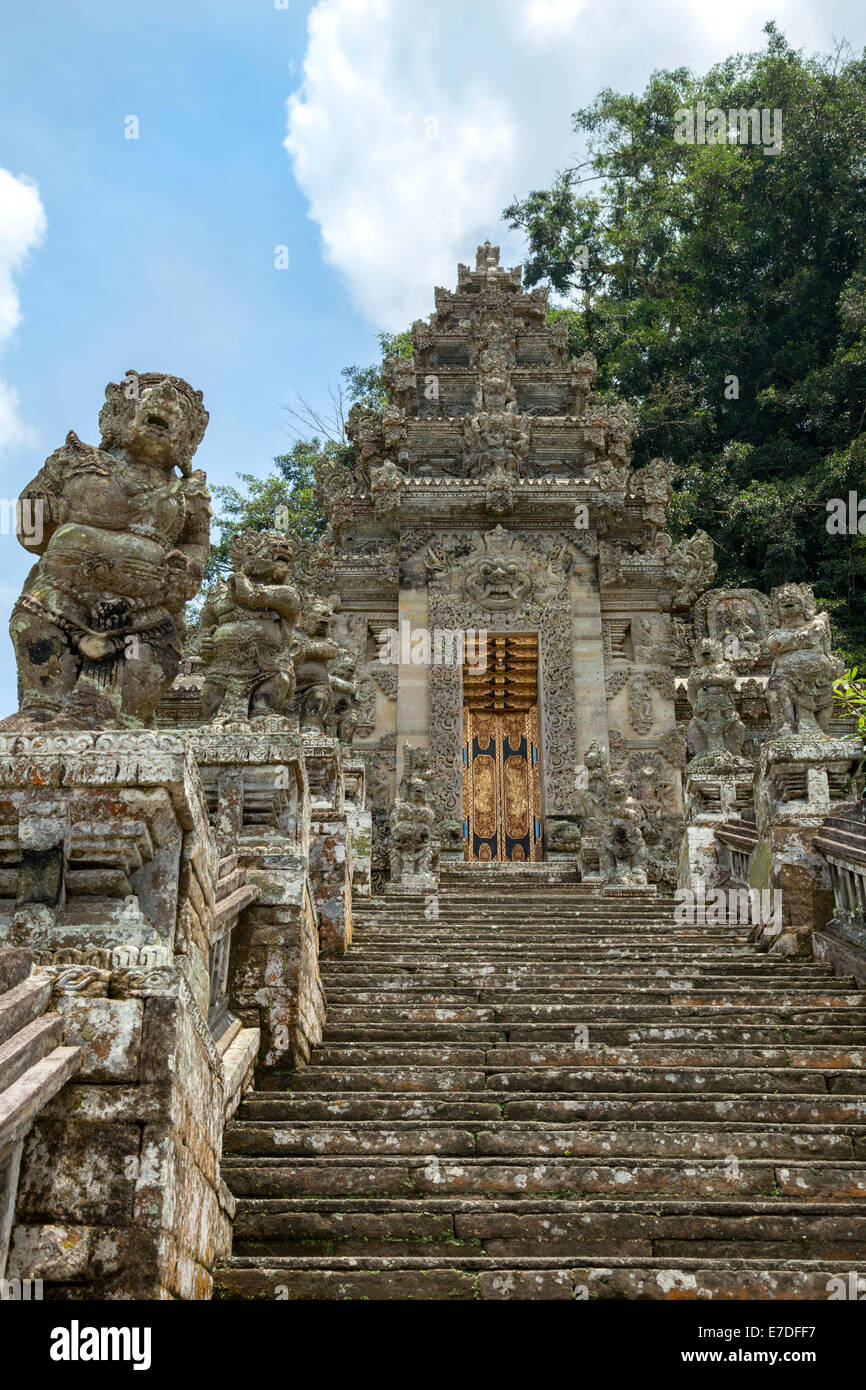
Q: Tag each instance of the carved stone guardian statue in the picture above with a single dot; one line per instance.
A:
(622, 850)
(314, 650)
(246, 630)
(800, 688)
(413, 846)
(715, 727)
(121, 539)
(345, 691)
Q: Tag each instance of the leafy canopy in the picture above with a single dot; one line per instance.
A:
(687, 266)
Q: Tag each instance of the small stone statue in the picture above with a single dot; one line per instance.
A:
(246, 630)
(716, 727)
(122, 536)
(592, 797)
(562, 837)
(413, 847)
(691, 568)
(345, 691)
(622, 852)
(800, 688)
(580, 382)
(314, 650)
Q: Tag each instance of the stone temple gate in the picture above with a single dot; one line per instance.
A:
(493, 496)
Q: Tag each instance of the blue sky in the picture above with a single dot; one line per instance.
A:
(377, 139)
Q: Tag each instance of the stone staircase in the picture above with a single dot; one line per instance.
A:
(545, 1093)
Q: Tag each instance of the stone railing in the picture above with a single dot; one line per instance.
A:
(174, 891)
(736, 842)
(842, 842)
(34, 1066)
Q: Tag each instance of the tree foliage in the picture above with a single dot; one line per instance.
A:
(705, 263)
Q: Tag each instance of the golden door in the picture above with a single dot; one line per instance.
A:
(501, 786)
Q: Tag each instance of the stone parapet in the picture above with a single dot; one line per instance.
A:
(109, 879)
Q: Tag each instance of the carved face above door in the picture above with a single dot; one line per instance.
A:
(497, 573)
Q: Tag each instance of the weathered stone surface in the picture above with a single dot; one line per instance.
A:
(516, 1095)
(92, 654)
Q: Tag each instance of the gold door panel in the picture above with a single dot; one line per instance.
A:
(501, 786)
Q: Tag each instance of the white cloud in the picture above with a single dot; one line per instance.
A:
(22, 227)
(416, 124)
(549, 20)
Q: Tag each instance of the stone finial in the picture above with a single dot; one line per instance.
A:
(486, 257)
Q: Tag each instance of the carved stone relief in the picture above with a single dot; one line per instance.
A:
(531, 595)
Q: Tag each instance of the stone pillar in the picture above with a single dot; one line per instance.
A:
(360, 825)
(259, 798)
(413, 701)
(795, 783)
(331, 846)
(718, 786)
(109, 873)
(590, 699)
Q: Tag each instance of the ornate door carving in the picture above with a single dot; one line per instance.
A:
(501, 783)
(501, 788)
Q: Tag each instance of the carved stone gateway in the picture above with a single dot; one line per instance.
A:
(493, 495)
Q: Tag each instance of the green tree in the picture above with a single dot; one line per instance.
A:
(723, 291)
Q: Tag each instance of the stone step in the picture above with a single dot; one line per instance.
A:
(809, 996)
(471, 1109)
(28, 1046)
(370, 1018)
(23, 1003)
(552, 1054)
(488, 1035)
(624, 975)
(573, 958)
(364, 1227)
(452, 1137)
(664, 1078)
(563, 949)
(525, 1139)
(405, 1176)
(439, 1279)
(15, 964)
(229, 882)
